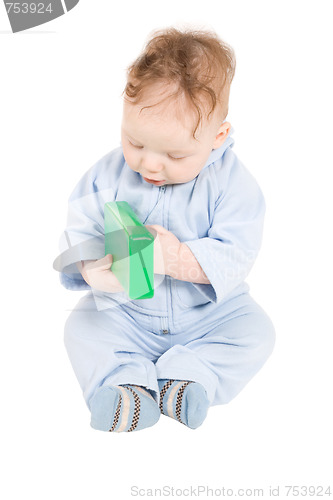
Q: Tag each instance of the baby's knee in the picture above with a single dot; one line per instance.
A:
(271, 336)
(71, 330)
(265, 335)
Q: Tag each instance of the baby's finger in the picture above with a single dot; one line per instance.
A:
(104, 263)
(111, 283)
(159, 229)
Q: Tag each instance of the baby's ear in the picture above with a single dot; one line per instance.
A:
(221, 135)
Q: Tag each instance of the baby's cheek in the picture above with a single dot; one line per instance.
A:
(186, 171)
(129, 158)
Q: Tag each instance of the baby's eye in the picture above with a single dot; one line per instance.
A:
(135, 145)
(176, 157)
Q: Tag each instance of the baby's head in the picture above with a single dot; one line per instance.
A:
(175, 105)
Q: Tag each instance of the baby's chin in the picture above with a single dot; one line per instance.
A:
(173, 183)
(183, 181)
(166, 183)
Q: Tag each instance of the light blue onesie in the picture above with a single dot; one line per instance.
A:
(213, 334)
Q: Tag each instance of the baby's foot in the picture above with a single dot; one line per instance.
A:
(184, 401)
(123, 408)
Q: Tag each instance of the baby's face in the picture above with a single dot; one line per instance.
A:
(158, 142)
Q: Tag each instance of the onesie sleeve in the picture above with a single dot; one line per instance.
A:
(228, 252)
(83, 238)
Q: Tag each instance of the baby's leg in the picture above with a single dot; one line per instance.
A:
(112, 362)
(222, 355)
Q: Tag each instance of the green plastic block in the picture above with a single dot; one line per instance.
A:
(132, 249)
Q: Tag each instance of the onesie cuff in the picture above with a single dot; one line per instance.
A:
(65, 263)
(73, 282)
(202, 254)
(206, 290)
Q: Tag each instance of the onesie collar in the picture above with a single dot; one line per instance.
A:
(216, 154)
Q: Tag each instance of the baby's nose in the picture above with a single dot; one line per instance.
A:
(151, 163)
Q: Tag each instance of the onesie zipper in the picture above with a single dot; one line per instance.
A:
(161, 191)
(164, 325)
(164, 320)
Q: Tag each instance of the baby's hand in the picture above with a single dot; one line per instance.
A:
(98, 275)
(166, 251)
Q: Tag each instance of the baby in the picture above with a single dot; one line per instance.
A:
(202, 337)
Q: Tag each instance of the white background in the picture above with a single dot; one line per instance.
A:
(60, 106)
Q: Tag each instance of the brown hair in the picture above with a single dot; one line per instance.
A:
(201, 65)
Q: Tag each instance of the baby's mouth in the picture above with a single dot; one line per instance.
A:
(152, 181)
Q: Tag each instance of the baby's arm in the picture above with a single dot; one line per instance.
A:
(224, 257)
(170, 257)
(175, 259)
(83, 238)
